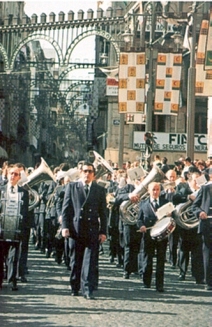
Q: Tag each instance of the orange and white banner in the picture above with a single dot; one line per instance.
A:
(167, 89)
(131, 93)
(203, 86)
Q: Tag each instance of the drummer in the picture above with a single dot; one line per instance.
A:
(147, 217)
(15, 205)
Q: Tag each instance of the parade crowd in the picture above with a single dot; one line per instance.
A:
(68, 213)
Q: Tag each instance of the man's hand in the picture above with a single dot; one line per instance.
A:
(203, 215)
(65, 232)
(192, 197)
(133, 197)
(102, 238)
(143, 229)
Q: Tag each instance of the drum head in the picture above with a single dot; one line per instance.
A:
(160, 226)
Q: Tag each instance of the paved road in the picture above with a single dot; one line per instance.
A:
(45, 300)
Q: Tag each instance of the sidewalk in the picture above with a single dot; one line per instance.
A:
(45, 301)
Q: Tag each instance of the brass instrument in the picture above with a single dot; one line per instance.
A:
(41, 174)
(73, 174)
(184, 216)
(129, 211)
(101, 166)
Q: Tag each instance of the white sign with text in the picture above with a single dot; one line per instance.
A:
(170, 142)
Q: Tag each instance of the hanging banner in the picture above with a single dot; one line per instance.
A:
(131, 93)
(135, 119)
(203, 86)
(208, 56)
(167, 89)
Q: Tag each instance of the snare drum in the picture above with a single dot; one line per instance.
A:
(9, 228)
(162, 229)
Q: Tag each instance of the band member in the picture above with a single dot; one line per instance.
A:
(169, 192)
(84, 221)
(16, 203)
(202, 207)
(146, 219)
(189, 240)
(131, 239)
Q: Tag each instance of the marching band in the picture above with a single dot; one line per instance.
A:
(148, 213)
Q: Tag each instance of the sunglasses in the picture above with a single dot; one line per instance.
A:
(14, 173)
(88, 171)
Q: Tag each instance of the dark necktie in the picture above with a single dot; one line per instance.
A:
(12, 189)
(86, 189)
(155, 204)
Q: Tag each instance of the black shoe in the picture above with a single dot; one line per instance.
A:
(74, 293)
(181, 277)
(23, 279)
(160, 289)
(208, 287)
(37, 247)
(126, 275)
(14, 287)
(118, 265)
(111, 260)
(200, 282)
(147, 286)
(89, 296)
(47, 253)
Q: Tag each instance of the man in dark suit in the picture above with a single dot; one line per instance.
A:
(84, 221)
(14, 202)
(202, 207)
(147, 218)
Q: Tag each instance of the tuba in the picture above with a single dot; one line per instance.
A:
(129, 211)
(101, 166)
(184, 216)
(41, 174)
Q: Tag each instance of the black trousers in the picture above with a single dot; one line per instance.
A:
(132, 241)
(24, 251)
(207, 255)
(191, 242)
(83, 264)
(151, 247)
(173, 246)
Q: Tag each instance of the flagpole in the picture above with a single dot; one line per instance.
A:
(191, 90)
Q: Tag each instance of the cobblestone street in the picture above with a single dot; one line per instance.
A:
(46, 301)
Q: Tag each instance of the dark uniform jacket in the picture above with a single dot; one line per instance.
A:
(83, 216)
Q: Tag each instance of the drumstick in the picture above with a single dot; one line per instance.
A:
(146, 229)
